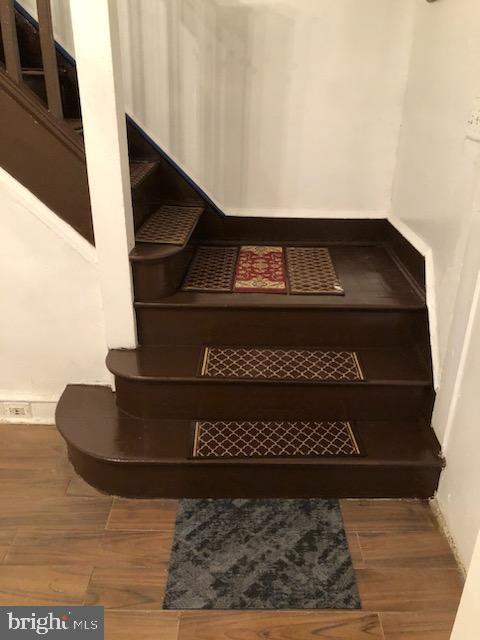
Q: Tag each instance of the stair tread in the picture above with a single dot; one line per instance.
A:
(368, 275)
(89, 420)
(182, 363)
(167, 230)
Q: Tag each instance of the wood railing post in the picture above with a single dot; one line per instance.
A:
(49, 57)
(10, 40)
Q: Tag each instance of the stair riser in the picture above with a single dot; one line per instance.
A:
(228, 481)
(154, 280)
(293, 327)
(241, 229)
(142, 197)
(256, 401)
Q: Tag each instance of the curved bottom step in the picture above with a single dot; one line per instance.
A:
(132, 457)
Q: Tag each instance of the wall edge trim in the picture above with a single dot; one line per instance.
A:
(306, 214)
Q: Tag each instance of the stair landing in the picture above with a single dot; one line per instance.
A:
(368, 275)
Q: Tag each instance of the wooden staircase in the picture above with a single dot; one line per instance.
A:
(140, 440)
(351, 370)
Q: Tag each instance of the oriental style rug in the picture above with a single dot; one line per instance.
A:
(260, 554)
(259, 270)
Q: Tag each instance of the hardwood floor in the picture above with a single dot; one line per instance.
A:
(63, 542)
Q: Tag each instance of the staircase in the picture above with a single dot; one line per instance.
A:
(276, 358)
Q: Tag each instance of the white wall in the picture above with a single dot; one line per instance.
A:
(467, 623)
(436, 170)
(51, 324)
(287, 107)
(436, 195)
(275, 108)
(458, 493)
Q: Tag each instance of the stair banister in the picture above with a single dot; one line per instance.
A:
(10, 40)
(49, 57)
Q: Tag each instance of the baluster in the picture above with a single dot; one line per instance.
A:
(10, 40)
(49, 57)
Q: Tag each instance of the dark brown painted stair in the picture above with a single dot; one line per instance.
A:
(146, 458)
(146, 442)
(156, 382)
(139, 440)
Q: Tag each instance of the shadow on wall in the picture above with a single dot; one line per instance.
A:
(285, 107)
(209, 92)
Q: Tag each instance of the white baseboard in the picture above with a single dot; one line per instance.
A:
(306, 214)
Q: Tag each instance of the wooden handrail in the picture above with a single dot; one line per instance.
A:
(10, 40)
(49, 57)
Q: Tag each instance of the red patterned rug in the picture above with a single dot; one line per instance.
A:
(260, 270)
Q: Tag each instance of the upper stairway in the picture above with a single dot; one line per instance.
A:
(309, 375)
(42, 143)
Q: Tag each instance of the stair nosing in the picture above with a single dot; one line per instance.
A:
(271, 382)
(166, 303)
(191, 375)
(325, 461)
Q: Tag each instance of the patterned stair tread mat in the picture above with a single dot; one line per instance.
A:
(311, 271)
(212, 269)
(260, 554)
(263, 363)
(139, 171)
(268, 439)
(171, 224)
(256, 269)
(260, 270)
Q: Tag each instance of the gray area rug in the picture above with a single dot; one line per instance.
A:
(260, 554)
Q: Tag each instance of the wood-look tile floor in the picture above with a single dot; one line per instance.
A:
(63, 542)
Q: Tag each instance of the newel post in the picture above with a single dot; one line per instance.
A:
(97, 53)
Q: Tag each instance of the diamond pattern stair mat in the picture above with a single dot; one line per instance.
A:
(261, 363)
(311, 271)
(139, 171)
(260, 270)
(171, 224)
(212, 269)
(274, 439)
